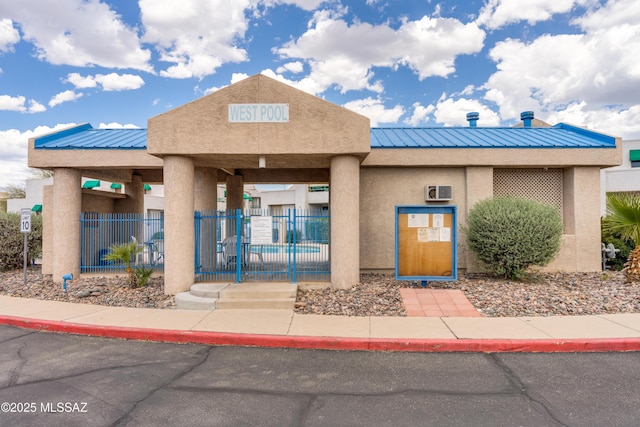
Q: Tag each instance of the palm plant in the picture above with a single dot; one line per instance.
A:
(125, 253)
(623, 217)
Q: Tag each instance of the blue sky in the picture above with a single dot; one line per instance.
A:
(399, 62)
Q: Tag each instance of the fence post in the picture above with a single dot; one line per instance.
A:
(239, 248)
(294, 277)
(196, 226)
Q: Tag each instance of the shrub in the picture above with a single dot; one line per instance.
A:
(125, 253)
(12, 240)
(508, 235)
(625, 245)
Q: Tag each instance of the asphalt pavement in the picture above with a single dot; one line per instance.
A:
(56, 379)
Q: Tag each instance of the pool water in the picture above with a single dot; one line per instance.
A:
(285, 249)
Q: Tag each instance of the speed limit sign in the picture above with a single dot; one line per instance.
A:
(25, 220)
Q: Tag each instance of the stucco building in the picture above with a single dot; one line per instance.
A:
(260, 131)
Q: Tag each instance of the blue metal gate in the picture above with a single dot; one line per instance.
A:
(98, 232)
(262, 245)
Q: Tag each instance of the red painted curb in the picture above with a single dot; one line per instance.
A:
(333, 343)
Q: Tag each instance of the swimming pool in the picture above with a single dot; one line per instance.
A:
(284, 249)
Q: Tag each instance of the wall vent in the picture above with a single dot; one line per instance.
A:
(437, 193)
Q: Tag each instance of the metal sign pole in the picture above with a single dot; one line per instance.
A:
(25, 228)
(25, 258)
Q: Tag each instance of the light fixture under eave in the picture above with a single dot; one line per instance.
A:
(262, 162)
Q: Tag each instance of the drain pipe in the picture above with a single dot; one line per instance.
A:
(64, 281)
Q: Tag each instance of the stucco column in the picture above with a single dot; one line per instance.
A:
(235, 199)
(581, 195)
(344, 204)
(178, 224)
(135, 192)
(235, 192)
(479, 186)
(47, 230)
(67, 206)
(206, 199)
(206, 189)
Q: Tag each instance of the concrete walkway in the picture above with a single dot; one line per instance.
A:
(285, 328)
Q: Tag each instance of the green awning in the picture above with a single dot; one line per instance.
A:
(116, 186)
(244, 196)
(36, 208)
(147, 187)
(91, 184)
(634, 155)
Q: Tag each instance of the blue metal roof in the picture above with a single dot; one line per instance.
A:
(558, 136)
(86, 137)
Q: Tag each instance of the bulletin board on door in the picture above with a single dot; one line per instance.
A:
(426, 243)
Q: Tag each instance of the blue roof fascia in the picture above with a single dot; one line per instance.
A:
(38, 142)
(558, 136)
(88, 138)
(609, 140)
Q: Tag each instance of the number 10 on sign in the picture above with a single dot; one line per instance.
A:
(25, 220)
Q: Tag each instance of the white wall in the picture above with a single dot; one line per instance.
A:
(621, 178)
(34, 195)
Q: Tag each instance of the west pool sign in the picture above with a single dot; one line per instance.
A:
(258, 113)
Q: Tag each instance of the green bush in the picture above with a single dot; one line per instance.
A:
(508, 235)
(12, 240)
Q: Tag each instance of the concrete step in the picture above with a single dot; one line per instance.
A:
(259, 291)
(250, 303)
(188, 301)
(207, 290)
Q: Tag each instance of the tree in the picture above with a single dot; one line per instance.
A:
(15, 191)
(623, 218)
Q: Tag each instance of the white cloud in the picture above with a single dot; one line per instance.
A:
(596, 69)
(420, 114)
(498, 13)
(302, 4)
(343, 55)
(13, 153)
(12, 103)
(36, 107)
(8, 35)
(115, 125)
(292, 67)
(375, 110)
(78, 33)
(453, 112)
(118, 82)
(622, 122)
(66, 96)
(614, 13)
(18, 103)
(109, 82)
(197, 36)
(81, 82)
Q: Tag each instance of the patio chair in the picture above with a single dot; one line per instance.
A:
(140, 250)
(229, 250)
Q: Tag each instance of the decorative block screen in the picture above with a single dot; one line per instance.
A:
(544, 186)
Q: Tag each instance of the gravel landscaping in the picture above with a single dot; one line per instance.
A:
(546, 294)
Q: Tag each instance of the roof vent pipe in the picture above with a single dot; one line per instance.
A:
(472, 118)
(527, 118)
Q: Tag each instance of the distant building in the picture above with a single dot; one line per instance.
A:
(624, 178)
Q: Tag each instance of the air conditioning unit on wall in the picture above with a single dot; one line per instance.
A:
(437, 193)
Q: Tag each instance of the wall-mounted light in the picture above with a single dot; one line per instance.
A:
(262, 162)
